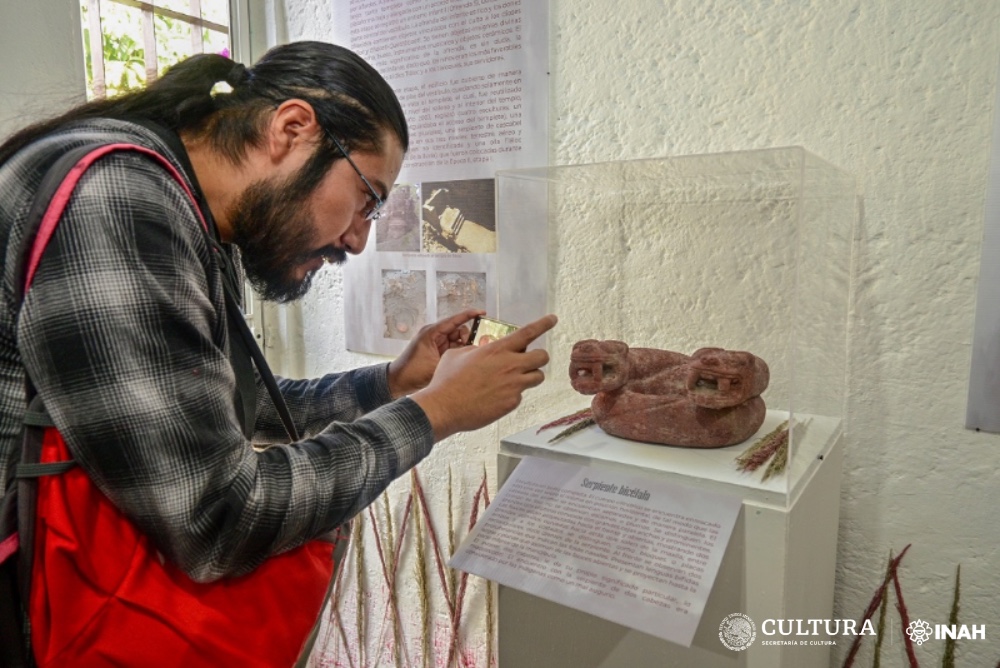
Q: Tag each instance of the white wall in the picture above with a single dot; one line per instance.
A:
(898, 92)
(42, 60)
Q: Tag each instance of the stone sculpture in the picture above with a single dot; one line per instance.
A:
(709, 399)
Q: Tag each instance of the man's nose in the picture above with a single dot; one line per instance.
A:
(356, 237)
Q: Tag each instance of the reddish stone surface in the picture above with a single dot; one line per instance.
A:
(709, 399)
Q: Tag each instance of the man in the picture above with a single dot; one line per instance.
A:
(124, 336)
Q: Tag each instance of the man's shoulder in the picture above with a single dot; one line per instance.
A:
(22, 173)
(42, 152)
(124, 193)
(97, 130)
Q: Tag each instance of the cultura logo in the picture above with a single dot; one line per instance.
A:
(919, 631)
(737, 631)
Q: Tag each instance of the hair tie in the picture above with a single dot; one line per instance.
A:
(239, 75)
(220, 88)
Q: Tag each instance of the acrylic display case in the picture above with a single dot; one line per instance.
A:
(745, 251)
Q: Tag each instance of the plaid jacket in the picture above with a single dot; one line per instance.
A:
(124, 335)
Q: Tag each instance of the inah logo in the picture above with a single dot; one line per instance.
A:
(919, 631)
(737, 632)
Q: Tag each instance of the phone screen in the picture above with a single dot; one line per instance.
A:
(486, 330)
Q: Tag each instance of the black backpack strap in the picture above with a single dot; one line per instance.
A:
(248, 343)
(27, 493)
(18, 529)
(15, 649)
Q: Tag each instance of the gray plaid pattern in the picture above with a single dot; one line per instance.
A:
(124, 335)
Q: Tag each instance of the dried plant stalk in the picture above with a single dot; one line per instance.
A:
(432, 533)
(904, 619)
(395, 547)
(390, 576)
(568, 419)
(389, 542)
(779, 461)
(948, 659)
(881, 614)
(423, 590)
(443, 571)
(452, 583)
(873, 605)
(397, 559)
(490, 622)
(757, 454)
(357, 542)
(337, 620)
(384, 545)
(569, 431)
(456, 619)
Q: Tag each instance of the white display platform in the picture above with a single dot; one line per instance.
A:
(780, 562)
(714, 467)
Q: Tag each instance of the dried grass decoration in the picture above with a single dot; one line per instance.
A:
(772, 450)
(578, 421)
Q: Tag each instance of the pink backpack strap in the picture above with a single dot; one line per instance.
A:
(53, 197)
(60, 199)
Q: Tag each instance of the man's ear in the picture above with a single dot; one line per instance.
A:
(293, 127)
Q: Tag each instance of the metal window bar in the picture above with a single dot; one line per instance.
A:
(149, 10)
(149, 43)
(96, 47)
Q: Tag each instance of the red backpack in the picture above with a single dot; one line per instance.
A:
(80, 585)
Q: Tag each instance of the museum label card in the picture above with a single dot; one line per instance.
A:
(635, 550)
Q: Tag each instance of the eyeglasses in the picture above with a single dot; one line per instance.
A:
(375, 211)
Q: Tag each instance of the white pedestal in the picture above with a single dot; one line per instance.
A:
(780, 562)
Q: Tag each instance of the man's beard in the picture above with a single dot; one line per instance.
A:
(274, 233)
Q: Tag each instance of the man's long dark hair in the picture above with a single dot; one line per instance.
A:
(351, 100)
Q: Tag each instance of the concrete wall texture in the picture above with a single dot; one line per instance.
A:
(42, 47)
(901, 94)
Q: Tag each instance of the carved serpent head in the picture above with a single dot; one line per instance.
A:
(598, 366)
(720, 378)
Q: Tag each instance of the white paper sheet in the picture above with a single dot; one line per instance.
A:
(627, 548)
(472, 77)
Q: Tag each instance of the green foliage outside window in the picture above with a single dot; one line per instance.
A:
(123, 50)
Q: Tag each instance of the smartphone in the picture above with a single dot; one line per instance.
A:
(485, 330)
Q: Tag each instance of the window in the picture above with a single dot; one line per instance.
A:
(128, 43)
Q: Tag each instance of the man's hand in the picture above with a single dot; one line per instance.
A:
(414, 368)
(474, 386)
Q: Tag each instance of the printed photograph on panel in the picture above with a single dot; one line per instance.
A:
(399, 227)
(404, 302)
(460, 290)
(458, 216)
